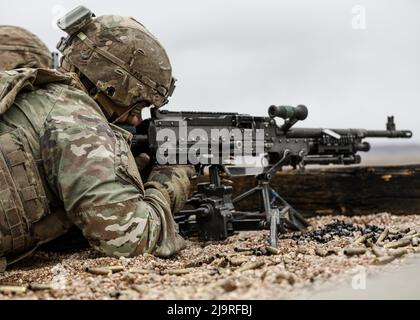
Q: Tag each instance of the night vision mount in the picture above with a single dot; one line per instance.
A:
(72, 22)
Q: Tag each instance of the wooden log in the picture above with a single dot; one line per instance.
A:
(354, 190)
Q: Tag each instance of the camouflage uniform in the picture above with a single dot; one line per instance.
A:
(63, 163)
(20, 48)
(86, 169)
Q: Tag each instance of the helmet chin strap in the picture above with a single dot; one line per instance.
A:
(133, 111)
(108, 106)
(123, 115)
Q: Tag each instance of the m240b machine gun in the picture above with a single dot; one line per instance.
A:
(217, 140)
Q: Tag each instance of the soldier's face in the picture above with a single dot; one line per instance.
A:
(132, 120)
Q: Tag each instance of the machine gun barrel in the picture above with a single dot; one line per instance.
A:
(314, 133)
(388, 134)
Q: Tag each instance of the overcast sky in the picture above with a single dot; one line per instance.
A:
(351, 62)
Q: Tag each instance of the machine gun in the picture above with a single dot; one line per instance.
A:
(214, 140)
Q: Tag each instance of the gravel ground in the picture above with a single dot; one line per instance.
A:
(217, 270)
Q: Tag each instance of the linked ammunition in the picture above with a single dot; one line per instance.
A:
(175, 272)
(235, 262)
(398, 252)
(383, 236)
(412, 236)
(12, 289)
(354, 251)
(238, 249)
(234, 254)
(199, 262)
(393, 231)
(99, 271)
(390, 238)
(243, 253)
(272, 250)
(260, 252)
(140, 271)
(223, 262)
(363, 238)
(405, 230)
(40, 286)
(378, 251)
(105, 270)
(333, 251)
(369, 243)
(412, 232)
(251, 266)
(383, 260)
(116, 269)
(398, 244)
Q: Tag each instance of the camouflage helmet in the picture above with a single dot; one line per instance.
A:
(20, 48)
(121, 58)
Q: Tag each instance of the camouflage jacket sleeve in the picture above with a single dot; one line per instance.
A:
(90, 167)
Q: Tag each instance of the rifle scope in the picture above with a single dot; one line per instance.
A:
(288, 112)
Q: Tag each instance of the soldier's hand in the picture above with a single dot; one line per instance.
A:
(175, 180)
(189, 170)
(142, 161)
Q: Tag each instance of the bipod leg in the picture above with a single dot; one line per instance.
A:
(273, 215)
(246, 194)
(291, 217)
